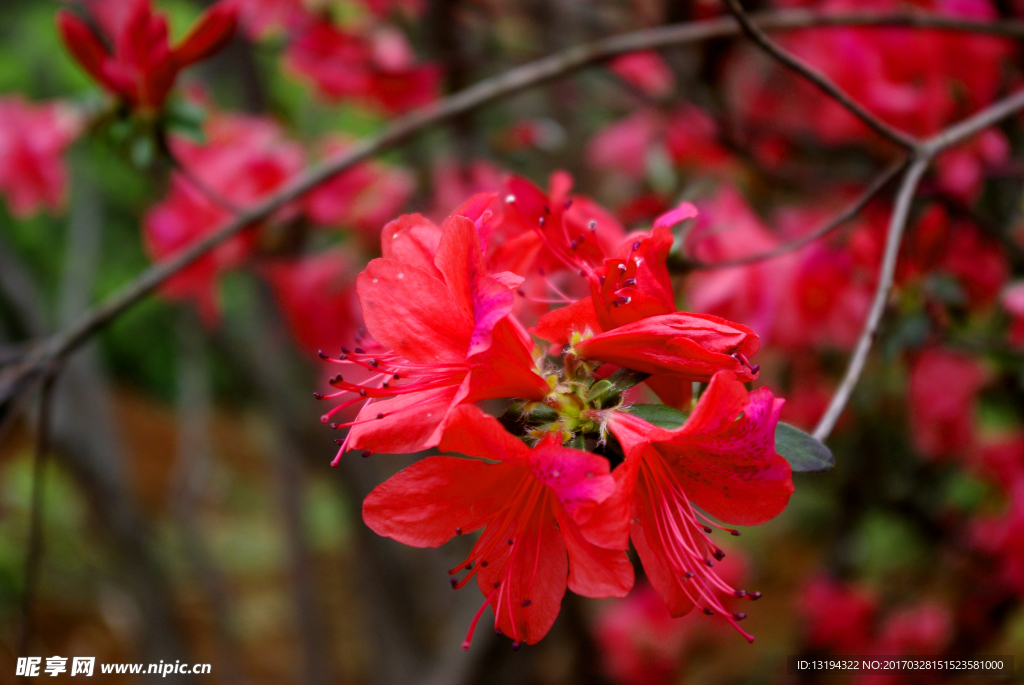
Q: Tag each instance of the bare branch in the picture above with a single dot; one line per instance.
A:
(885, 279)
(847, 214)
(819, 79)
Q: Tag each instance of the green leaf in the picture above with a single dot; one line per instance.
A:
(805, 453)
(660, 415)
(624, 379)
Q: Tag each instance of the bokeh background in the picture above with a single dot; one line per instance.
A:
(189, 512)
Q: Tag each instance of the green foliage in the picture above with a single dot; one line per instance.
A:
(805, 453)
(660, 415)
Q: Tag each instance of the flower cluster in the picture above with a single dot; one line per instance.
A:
(575, 470)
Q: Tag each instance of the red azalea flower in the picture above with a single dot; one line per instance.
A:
(839, 616)
(243, 160)
(943, 392)
(543, 234)
(380, 70)
(443, 332)
(142, 67)
(722, 460)
(32, 142)
(633, 313)
(533, 506)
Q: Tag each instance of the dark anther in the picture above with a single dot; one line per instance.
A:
(547, 210)
(689, 574)
(334, 426)
(380, 415)
(755, 595)
(454, 582)
(321, 354)
(520, 293)
(360, 350)
(339, 441)
(573, 244)
(739, 616)
(497, 631)
(592, 225)
(709, 612)
(527, 602)
(344, 350)
(469, 566)
(735, 532)
(707, 529)
(342, 357)
(567, 205)
(719, 554)
(337, 379)
(366, 454)
(496, 585)
(458, 531)
(385, 385)
(602, 280)
(755, 368)
(318, 395)
(741, 593)
(621, 301)
(628, 283)
(709, 562)
(581, 238)
(510, 541)
(516, 645)
(362, 392)
(483, 564)
(636, 246)
(396, 376)
(374, 363)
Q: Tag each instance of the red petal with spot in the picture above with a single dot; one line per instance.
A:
(413, 313)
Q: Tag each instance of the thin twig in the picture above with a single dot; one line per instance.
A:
(489, 90)
(847, 214)
(885, 279)
(34, 553)
(818, 78)
(971, 126)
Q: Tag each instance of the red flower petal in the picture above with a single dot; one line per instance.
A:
(653, 555)
(211, 32)
(430, 502)
(556, 326)
(412, 239)
(412, 313)
(412, 422)
(84, 45)
(536, 577)
(693, 346)
(593, 571)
